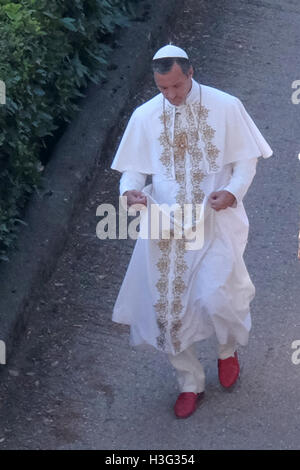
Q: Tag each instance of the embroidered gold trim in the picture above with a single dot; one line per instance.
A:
(166, 156)
(186, 144)
(161, 306)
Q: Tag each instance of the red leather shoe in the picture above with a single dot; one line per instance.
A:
(187, 403)
(229, 370)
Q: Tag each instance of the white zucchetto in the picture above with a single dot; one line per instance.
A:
(170, 51)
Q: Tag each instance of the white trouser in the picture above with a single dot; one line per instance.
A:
(190, 372)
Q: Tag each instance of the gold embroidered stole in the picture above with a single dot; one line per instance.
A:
(188, 159)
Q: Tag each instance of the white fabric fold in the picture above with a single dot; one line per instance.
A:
(132, 180)
(243, 173)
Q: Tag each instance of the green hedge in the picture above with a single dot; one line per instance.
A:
(49, 50)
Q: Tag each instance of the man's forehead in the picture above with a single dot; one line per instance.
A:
(175, 75)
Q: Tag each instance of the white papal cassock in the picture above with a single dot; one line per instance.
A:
(172, 296)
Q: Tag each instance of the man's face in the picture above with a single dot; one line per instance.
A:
(174, 85)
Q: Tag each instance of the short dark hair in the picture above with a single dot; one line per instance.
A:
(164, 65)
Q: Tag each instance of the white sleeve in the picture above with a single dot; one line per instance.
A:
(132, 180)
(243, 173)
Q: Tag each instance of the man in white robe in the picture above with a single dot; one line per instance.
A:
(201, 147)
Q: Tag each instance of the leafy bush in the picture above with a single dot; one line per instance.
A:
(48, 53)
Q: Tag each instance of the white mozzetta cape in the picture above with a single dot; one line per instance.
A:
(171, 296)
(235, 136)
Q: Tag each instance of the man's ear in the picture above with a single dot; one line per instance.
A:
(191, 72)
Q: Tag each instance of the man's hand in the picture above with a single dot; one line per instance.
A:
(221, 199)
(135, 197)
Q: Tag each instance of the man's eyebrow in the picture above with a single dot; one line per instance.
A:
(177, 83)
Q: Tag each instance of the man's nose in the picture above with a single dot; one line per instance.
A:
(171, 94)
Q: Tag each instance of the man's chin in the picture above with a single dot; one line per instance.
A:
(176, 102)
